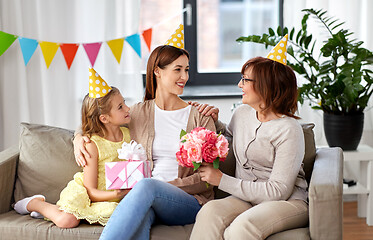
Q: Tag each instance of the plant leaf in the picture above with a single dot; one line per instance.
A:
(271, 32)
(196, 165)
(216, 163)
(182, 133)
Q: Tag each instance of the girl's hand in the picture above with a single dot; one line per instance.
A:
(206, 110)
(120, 193)
(210, 174)
(80, 151)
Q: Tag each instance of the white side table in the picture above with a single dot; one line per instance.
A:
(364, 185)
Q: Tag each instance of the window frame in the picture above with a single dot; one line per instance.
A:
(190, 37)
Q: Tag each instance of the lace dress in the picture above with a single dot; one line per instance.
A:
(74, 198)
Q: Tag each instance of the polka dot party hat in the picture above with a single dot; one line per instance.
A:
(177, 38)
(97, 86)
(278, 53)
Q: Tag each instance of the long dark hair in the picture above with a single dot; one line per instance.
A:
(276, 83)
(160, 57)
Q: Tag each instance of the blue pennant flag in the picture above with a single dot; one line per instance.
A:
(134, 41)
(28, 47)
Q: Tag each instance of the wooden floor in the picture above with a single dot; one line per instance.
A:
(355, 228)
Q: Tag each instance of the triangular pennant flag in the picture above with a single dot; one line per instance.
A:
(116, 47)
(147, 35)
(92, 50)
(134, 41)
(28, 47)
(6, 40)
(49, 50)
(69, 52)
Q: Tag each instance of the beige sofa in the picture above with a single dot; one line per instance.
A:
(44, 162)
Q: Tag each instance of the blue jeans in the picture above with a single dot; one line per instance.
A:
(148, 201)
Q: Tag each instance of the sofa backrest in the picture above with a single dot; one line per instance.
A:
(46, 161)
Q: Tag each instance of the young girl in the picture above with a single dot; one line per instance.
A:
(85, 197)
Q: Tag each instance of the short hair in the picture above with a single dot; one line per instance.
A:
(275, 83)
(160, 57)
(92, 108)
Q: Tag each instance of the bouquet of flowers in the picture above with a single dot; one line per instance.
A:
(201, 145)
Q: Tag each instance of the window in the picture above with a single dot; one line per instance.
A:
(216, 57)
(210, 37)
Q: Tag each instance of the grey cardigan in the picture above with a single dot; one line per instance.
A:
(268, 158)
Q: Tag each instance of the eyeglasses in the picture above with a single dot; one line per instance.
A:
(244, 80)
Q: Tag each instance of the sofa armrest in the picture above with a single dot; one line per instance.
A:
(325, 195)
(8, 165)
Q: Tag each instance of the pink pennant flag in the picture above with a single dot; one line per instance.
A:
(92, 50)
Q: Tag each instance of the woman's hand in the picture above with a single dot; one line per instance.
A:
(206, 110)
(120, 193)
(80, 151)
(210, 174)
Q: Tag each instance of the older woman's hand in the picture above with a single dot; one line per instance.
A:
(210, 174)
(206, 110)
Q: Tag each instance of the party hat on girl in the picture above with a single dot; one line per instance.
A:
(278, 53)
(177, 38)
(97, 86)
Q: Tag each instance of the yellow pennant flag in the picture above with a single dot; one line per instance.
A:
(116, 47)
(49, 50)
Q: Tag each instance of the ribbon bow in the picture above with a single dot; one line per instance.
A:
(132, 152)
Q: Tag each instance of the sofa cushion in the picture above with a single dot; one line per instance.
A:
(16, 226)
(310, 149)
(46, 161)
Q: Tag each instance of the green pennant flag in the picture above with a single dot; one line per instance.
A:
(6, 40)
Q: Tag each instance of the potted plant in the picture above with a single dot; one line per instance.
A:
(338, 81)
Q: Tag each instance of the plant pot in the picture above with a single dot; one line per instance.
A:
(343, 130)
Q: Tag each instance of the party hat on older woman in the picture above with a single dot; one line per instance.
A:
(177, 38)
(97, 86)
(278, 53)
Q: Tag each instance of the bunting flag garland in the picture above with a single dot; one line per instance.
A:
(28, 47)
(92, 50)
(69, 51)
(116, 47)
(48, 49)
(147, 35)
(6, 40)
(134, 41)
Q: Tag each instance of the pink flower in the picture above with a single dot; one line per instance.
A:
(197, 129)
(222, 146)
(193, 149)
(182, 157)
(201, 145)
(209, 152)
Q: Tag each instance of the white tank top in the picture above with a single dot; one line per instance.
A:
(167, 126)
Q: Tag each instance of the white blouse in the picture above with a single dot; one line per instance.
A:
(167, 126)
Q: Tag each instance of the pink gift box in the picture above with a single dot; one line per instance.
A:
(125, 174)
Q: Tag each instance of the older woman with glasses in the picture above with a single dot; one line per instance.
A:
(269, 190)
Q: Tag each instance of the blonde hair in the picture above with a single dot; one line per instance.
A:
(92, 108)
